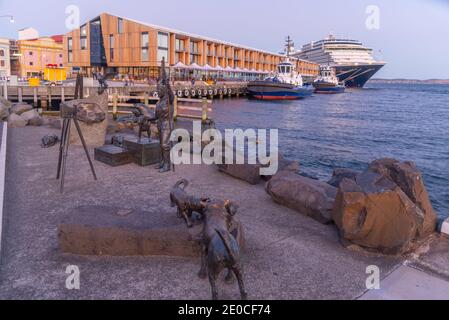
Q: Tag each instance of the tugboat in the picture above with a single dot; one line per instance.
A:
(287, 84)
(327, 82)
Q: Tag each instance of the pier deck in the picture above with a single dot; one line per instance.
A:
(46, 96)
(289, 256)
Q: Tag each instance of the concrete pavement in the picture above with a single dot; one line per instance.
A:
(288, 256)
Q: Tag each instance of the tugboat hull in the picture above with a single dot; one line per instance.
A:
(263, 90)
(329, 89)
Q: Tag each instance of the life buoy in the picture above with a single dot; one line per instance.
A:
(211, 92)
(215, 91)
(199, 93)
(225, 91)
(186, 93)
(155, 95)
(221, 92)
(230, 91)
(205, 92)
(193, 93)
(179, 93)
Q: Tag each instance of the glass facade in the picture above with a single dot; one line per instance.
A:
(120, 26)
(111, 47)
(145, 44)
(83, 37)
(69, 49)
(162, 46)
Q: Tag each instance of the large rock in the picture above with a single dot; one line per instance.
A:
(308, 196)
(340, 174)
(5, 105)
(94, 133)
(32, 117)
(374, 213)
(16, 121)
(21, 107)
(407, 176)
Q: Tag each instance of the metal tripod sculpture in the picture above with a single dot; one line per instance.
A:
(68, 114)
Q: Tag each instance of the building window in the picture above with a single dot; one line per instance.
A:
(120, 26)
(179, 45)
(30, 53)
(2, 63)
(111, 46)
(60, 55)
(83, 37)
(2, 53)
(162, 46)
(69, 49)
(31, 63)
(194, 58)
(145, 44)
(194, 47)
(194, 52)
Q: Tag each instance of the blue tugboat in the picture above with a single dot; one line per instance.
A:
(327, 82)
(287, 84)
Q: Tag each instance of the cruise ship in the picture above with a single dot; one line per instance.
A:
(354, 63)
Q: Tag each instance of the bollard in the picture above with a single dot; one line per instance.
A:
(114, 106)
(35, 101)
(5, 90)
(204, 111)
(175, 109)
(146, 98)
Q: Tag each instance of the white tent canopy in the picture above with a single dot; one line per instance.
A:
(180, 65)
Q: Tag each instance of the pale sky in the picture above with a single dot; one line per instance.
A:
(413, 36)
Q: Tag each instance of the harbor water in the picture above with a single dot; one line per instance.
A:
(324, 132)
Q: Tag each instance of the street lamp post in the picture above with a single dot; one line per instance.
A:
(11, 18)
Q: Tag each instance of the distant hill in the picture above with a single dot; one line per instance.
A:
(411, 81)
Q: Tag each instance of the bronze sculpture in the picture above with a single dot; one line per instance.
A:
(144, 117)
(185, 203)
(220, 248)
(164, 117)
(69, 112)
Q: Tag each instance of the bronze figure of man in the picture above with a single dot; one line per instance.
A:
(164, 117)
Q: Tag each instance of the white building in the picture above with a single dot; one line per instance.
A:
(5, 61)
(28, 34)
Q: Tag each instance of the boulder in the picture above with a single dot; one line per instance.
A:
(32, 117)
(407, 176)
(21, 107)
(372, 212)
(340, 174)
(94, 132)
(307, 196)
(247, 172)
(16, 121)
(5, 105)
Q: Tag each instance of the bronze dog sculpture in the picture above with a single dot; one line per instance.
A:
(144, 117)
(185, 203)
(220, 249)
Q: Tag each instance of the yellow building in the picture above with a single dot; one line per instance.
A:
(36, 54)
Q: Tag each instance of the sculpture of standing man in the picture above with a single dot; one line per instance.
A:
(164, 117)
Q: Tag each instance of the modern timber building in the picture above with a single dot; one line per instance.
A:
(109, 43)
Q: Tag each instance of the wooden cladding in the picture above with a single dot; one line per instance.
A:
(128, 49)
